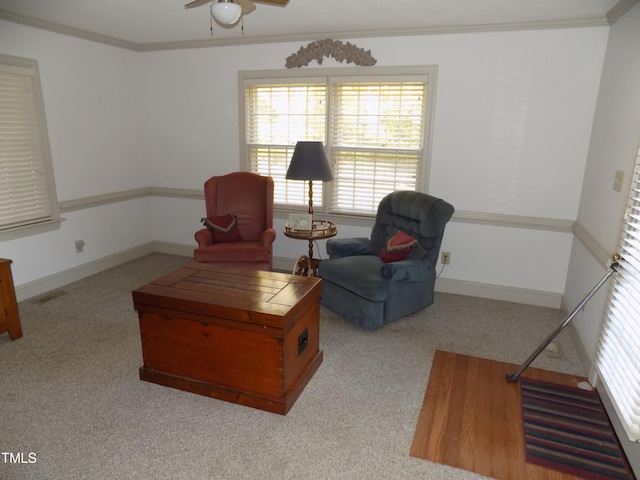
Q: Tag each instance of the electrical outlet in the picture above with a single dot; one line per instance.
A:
(79, 245)
(446, 258)
(553, 350)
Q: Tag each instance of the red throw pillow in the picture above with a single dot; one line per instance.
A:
(224, 228)
(398, 247)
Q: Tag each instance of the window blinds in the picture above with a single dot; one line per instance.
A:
(377, 132)
(618, 349)
(277, 116)
(374, 131)
(24, 189)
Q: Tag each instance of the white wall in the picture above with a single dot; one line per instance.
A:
(512, 124)
(513, 118)
(94, 117)
(91, 94)
(613, 146)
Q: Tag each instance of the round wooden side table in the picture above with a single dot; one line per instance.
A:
(320, 229)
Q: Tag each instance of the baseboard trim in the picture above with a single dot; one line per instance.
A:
(472, 289)
(173, 249)
(58, 280)
(499, 292)
(283, 264)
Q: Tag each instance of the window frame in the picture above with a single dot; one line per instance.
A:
(428, 73)
(614, 362)
(53, 219)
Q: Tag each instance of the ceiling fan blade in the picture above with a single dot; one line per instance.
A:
(197, 3)
(247, 6)
(273, 2)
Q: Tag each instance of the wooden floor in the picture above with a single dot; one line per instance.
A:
(471, 418)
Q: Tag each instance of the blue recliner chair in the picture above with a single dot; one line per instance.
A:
(359, 286)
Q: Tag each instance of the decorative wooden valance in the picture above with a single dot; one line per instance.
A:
(330, 48)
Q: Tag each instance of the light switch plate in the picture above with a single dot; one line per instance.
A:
(617, 180)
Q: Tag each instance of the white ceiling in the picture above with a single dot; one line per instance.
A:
(156, 24)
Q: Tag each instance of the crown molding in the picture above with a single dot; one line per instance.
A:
(65, 30)
(619, 9)
(404, 32)
(616, 12)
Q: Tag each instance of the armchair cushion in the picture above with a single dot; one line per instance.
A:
(398, 247)
(405, 270)
(233, 252)
(359, 274)
(224, 228)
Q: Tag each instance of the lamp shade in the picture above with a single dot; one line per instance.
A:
(309, 162)
(225, 11)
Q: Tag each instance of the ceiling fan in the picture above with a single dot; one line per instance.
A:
(228, 12)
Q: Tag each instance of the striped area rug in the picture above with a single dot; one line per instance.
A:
(567, 429)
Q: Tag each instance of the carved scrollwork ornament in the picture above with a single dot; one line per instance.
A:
(341, 51)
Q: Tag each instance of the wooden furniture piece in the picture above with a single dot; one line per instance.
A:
(245, 336)
(320, 230)
(9, 315)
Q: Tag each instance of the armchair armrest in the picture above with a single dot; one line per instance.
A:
(348, 247)
(268, 237)
(204, 238)
(406, 270)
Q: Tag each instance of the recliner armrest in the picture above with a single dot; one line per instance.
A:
(348, 247)
(406, 270)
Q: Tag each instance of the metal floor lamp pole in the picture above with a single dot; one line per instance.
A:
(513, 377)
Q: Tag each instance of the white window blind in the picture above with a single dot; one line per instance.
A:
(374, 130)
(377, 134)
(618, 350)
(25, 184)
(277, 116)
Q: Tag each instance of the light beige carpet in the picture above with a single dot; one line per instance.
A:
(70, 392)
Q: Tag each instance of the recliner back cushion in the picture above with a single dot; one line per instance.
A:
(422, 216)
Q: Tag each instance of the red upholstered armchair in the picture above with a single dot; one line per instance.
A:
(248, 197)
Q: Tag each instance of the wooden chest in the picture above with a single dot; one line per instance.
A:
(244, 336)
(9, 315)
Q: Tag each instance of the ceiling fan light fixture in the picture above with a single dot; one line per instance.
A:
(226, 12)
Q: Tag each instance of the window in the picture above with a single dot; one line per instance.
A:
(375, 126)
(618, 350)
(277, 116)
(27, 191)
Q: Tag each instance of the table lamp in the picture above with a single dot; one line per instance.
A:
(309, 162)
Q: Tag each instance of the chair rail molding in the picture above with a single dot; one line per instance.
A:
(482, 218)
(509, 220)
(115, 197)
(591, 244)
